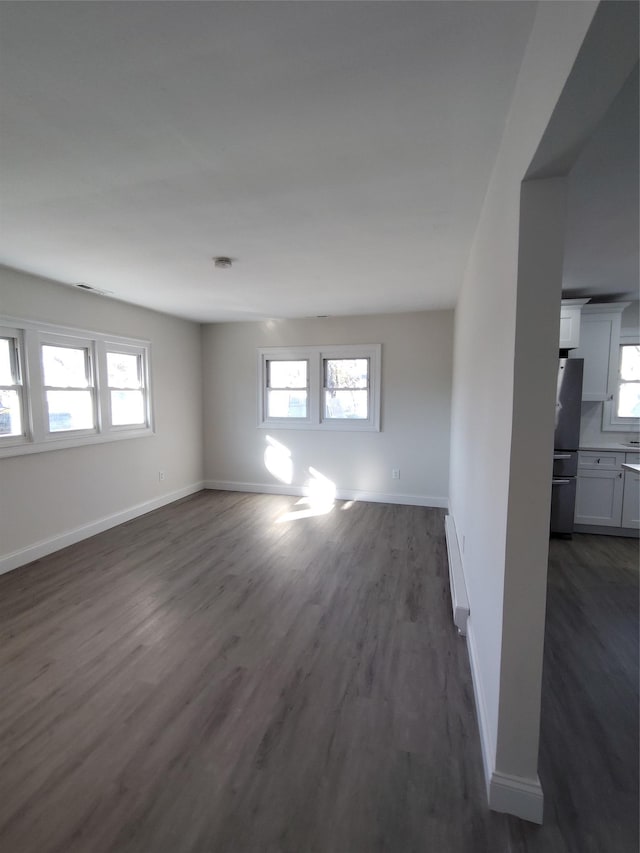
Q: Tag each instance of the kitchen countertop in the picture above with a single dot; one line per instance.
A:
(613, 447)
(631, 467)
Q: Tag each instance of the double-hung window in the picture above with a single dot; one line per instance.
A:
(12, 410)
(628, 396)
(346, 388)
(126, 382)
(316, 387)
(68, 384)
(621, 412)
(62, 387)
(287, 388)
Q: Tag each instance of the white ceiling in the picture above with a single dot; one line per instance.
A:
(338, 151)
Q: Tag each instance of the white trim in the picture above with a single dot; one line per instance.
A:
(514, 795)
(11, 561)
(517, 796)
(67, 331)
(315, 356)
(341, 494)
(77, 440)
(459, 598)
(37, 435)
(611, 421)
(486, 737)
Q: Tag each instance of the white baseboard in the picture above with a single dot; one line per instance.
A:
(341, 494)
(70, 537)
(486, 735)
(517, 796)
(511, 794)
(458, 587)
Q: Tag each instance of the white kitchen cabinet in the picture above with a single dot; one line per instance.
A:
(599, 489)
(570, 322)
(599, 342)
(631, 496)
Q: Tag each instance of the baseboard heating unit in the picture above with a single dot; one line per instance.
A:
(459, 600)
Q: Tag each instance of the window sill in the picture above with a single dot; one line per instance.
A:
(324, 426)
(64, 443)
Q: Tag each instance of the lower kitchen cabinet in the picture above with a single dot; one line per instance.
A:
(606, 495)
(599, 495)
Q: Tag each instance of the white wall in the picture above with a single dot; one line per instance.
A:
(485, 503)
(49, 499)
(415, 414)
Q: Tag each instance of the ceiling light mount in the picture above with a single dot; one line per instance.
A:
(222, 262)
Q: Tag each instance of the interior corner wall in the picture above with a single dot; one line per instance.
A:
(485, 348)
(415, 410)
(52, 498)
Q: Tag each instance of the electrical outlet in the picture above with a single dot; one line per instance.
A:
(160, 476)
(395, 473)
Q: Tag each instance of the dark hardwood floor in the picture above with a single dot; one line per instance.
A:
(590, 721)
(210, 679)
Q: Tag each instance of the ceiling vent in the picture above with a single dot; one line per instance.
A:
(83, 286)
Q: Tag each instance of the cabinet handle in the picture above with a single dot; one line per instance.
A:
(598, 461)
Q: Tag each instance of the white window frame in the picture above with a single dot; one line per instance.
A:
(316, 356)
(16, 335)
(284, 354)
(32, 335)
(85, 343)
(142, 352)
(611, 421)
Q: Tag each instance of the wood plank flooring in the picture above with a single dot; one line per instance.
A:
(211, 679)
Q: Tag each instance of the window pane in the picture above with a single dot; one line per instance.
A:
(6, 372)
(65, 367)
(10, 413)
(630, 363)
(123, 370)
(286, 404)
(629, 400)
(287, 374)
(70, 410)
(127, 407)
(346, 372)
(346, 404)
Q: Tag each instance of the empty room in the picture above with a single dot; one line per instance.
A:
(319, 423)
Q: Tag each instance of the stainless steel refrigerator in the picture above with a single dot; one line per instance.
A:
(566, 442)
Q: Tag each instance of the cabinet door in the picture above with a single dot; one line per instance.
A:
(631, 500)
(569, 327)
(596, 333)
(599, 497)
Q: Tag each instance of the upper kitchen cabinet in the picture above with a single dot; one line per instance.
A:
(570, 322)
(599, 343)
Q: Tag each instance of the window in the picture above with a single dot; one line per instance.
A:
(68, 385)
(346, 388)
(61, 387)
(320, 387)
(628, 397)
(287, 388)
(125, 380)
(11, 400)
(621, 412)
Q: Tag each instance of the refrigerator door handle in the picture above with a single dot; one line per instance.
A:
(558, 482)
(562, 456)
